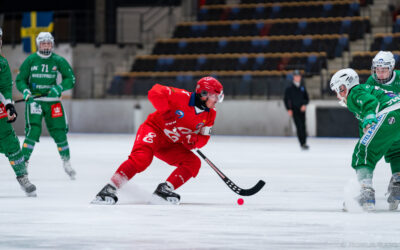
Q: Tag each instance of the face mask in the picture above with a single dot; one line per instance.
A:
(297, 84)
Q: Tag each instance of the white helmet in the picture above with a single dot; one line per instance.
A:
(344, 80)
(45, 37)
(384, 59)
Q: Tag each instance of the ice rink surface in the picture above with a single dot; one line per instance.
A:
(299, 208)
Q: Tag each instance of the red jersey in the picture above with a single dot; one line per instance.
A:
(190, 119)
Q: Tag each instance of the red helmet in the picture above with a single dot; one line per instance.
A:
(209, 86)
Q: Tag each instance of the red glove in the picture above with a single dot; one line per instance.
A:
(190, 140)
(169, 118)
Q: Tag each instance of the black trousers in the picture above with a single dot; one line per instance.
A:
(300, 122)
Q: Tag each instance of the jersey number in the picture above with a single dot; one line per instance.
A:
(45, 68)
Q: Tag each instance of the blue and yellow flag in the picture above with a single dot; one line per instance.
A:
(32, 24)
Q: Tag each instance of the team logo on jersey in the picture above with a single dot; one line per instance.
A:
(391, 120)
(54, 68)
(199, 125)
(180, 113)
(34, 68)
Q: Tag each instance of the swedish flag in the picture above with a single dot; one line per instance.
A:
(32, 24)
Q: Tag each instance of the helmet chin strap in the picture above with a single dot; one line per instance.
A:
(200, 103)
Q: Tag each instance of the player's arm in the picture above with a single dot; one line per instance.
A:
(68, 76)
(5, 86)
(68, 79)
(368, 105)
(6, 95)
(23, 77)
(159, 96)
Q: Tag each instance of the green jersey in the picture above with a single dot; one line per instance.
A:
(39, 74)
(393, 85)
(365, 99)
(5, 81)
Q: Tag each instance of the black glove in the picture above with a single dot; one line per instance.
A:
(11, 111)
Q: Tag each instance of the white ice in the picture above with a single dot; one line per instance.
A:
(299, 208)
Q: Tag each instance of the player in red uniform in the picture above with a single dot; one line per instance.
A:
(182, 122)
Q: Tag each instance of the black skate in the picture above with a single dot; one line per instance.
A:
(394, 192)
(27, 186)
(69, 170)
(366, 199)
(305, 147)
(164, 191)
(106, 196)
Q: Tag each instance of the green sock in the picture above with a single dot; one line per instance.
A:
(63, 150)
(17, 162)
(364, 176)
(27, 148)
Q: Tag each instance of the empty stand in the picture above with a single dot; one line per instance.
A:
(279, 10)
(354, 27)
(386, 42)
(333, 45)
(312, 63)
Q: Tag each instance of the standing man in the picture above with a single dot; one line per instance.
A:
(378, 110)
(296, 99)
(38, 77)
(9, 143)
(182, 122)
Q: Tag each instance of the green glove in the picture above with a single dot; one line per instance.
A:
(27, 95)
(369, 120)
(55, 91)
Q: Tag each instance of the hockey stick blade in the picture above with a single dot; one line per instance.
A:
(240, 191)
(248, 192)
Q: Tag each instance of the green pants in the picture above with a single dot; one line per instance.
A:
(9, 145)
(55, 120)
(382, 139)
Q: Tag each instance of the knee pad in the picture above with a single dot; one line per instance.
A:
(141, 158)
(192, 163)
(59, 135)
(33, 132)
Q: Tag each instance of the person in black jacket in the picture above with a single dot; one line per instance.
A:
(296, 99)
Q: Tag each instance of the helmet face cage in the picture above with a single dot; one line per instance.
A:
(383, 60)
(45, 37)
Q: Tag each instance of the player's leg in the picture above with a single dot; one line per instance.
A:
(187, 165)
(393, 157)
(33, 128)
(147, 141)
(368, 151)
(57, 124)
(9, 145)
(299, 119)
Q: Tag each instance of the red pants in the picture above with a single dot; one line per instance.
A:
(152, 142)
